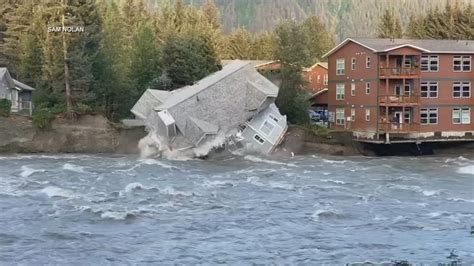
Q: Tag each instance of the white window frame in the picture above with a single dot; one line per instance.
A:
(340, 66)
(429, 85)
(353, 114)
(353, 89)
(367, 88)
(340, 91)
(459, 87)
(325, 79)
(274, 118)
(368, 62)
(464, 61)
(267, 127)
(367, 114)
(427, 62)
(353, 63)
(428, 112)
(463, 114)
(340, 116)
(319, 79)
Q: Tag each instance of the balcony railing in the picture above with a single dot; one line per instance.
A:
(22, 107)
(399, 71)
(399, 127)
(399, 99)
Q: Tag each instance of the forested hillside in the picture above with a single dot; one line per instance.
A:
(342, 17)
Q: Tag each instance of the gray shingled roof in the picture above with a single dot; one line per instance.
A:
(427, 45)
(182, 94)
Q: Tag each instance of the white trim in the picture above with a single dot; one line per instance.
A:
(403, 45)
(344, 43)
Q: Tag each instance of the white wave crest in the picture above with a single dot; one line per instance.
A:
(58, 192)
(339, 182)
(157, 162)
(75, 168)
(171, 191)
(281, 185)
(116, 215)
(468, 170)
(334, 162)
(133, 186)
(261, 160)
(417, 189)
(27, 171)
(461, 200)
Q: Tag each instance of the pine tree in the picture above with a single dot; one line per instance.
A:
(145, 60)
(320, 40)
(239, 45)
(390, 25)
(187, 58)
(18, 25)
(264, 46)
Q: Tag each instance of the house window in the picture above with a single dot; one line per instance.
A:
(367, 114)
(461, 115)
(407, 62)
(462, 89)
(353, 63)
(353, 89)
(462, 63)
(430, 63)
(267, 128)
(367, 88)
(259, 139)
(325, 79)
(367, 61)
(340, 66)
(407, 117)
(319, 79)
(340, 116)
(272, 117)
(353, 114)
(429, 116)
(340, 91)
(429, 89)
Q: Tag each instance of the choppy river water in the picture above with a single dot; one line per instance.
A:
(80, 209)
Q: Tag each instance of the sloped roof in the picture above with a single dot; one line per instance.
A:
(160, 94)
(187, 92)
(4, 73)
(322, 64)
(255, 63)
(425, 45)
(204, 126)
(23, 86)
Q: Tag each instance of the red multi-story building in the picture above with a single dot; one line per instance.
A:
(398, 90)
(317, 78)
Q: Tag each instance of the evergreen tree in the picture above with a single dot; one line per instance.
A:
(187, 58)
(390, 25)
(145, 60)
(264, 46)
(239, 45)
(320, 40)
(294, 53)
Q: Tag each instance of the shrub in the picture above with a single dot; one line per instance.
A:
(42, 118)
(5, 107)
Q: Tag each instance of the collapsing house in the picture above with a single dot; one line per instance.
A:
(232, 108)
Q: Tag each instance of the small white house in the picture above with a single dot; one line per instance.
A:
(18, 93)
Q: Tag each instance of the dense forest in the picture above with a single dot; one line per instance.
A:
(128, 46)
(343, 18)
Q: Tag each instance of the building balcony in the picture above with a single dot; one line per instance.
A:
(399, 72)
(399, 100)
(399, 128)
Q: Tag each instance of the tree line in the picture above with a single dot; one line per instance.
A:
(130, 45)
(124, 49)
(455, 21)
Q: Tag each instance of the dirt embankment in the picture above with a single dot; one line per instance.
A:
(301, 141)
(87, 134)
